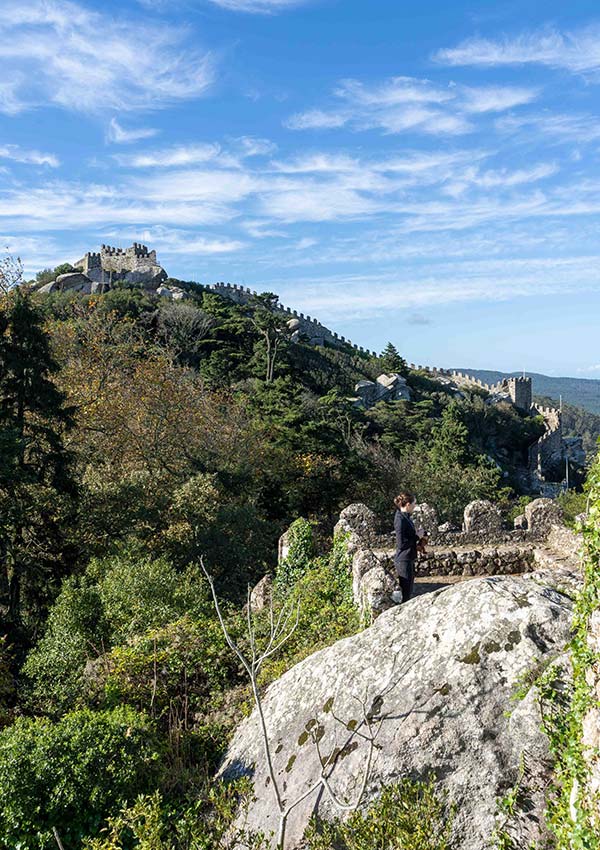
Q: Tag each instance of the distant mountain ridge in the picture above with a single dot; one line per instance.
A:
(581, 392)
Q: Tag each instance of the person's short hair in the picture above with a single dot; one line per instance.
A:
(405, 498)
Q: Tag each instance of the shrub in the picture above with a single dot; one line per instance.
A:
(150, 824)
(7, 684)
(120, 598)
(71, 774)
(572, 503)
(408, 815)
(76, 630)
(171, 671)
(326, 610)
(301, 551)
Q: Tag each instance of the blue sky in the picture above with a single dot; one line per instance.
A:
(423, 172)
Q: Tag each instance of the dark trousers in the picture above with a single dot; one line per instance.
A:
(406, 577)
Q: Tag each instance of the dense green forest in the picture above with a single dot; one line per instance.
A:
(137, 436)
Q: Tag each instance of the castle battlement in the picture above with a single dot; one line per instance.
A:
(111, 263)
(310, 327)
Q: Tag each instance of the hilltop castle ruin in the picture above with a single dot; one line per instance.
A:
(135, 264)
(98, 271)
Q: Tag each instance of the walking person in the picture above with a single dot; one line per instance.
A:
(407, 541)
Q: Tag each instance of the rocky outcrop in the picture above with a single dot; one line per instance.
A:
(482, 517)
(261, 594)
(541, 515)
(71, 282)
(425, 517)
(437, 676)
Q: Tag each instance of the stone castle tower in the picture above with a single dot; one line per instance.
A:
(520, 391)
(111, 264)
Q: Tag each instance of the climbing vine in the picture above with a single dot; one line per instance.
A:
(565, 704)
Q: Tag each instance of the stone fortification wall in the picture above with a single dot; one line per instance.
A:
(547, 452)
(317, 333)
(119, 261)
(518, 389)
(480, 548)
(472, 561)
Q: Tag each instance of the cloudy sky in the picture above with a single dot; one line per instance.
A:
(423, 172)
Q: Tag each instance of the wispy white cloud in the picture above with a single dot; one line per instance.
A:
(178, 155)
(394, 106)
(49, 53)
(252, 146)
(496, 98)
(392, 92)
(403, 291)
(317, 119)
(501, 179)
(31, 157)
(402, 104)
(577, 51)
(552, 127)
(121, 136)
(261, 7)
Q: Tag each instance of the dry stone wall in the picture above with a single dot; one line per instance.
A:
(481, 548)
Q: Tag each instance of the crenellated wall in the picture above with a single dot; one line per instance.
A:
(548, 450)
(317, 333)
(117, 261)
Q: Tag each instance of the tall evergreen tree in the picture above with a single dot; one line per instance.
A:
(36, 487)
(391, 361)
(272, 328)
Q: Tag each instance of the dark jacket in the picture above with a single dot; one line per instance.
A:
(406, 541)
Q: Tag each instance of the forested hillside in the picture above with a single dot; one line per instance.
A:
(137, 436)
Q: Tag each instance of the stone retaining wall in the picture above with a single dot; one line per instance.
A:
(440, 561)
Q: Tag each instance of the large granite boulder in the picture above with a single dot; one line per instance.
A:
(150, 275)
(439, 673)
(482, 517)
(542, 514)
(69, 282)
(360, 523)
(425, 517)
(74, 282)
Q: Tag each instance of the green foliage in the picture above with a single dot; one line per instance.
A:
(44, 276)
(37, 490)
(8, 689)
(71, 774)
(170, 671)
(120, 598)
(573, 504)
(449, 445)
(301, 543)
(206, 824)
(323, 598)
(76, 631)
(408, 815)
(390, 360)
(565, 704)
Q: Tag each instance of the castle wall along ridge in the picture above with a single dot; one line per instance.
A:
(317, 333)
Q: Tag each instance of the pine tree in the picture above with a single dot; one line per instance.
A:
(391, 361)
(36, 487)
(272, 328)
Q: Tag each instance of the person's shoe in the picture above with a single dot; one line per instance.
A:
(396, 597)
